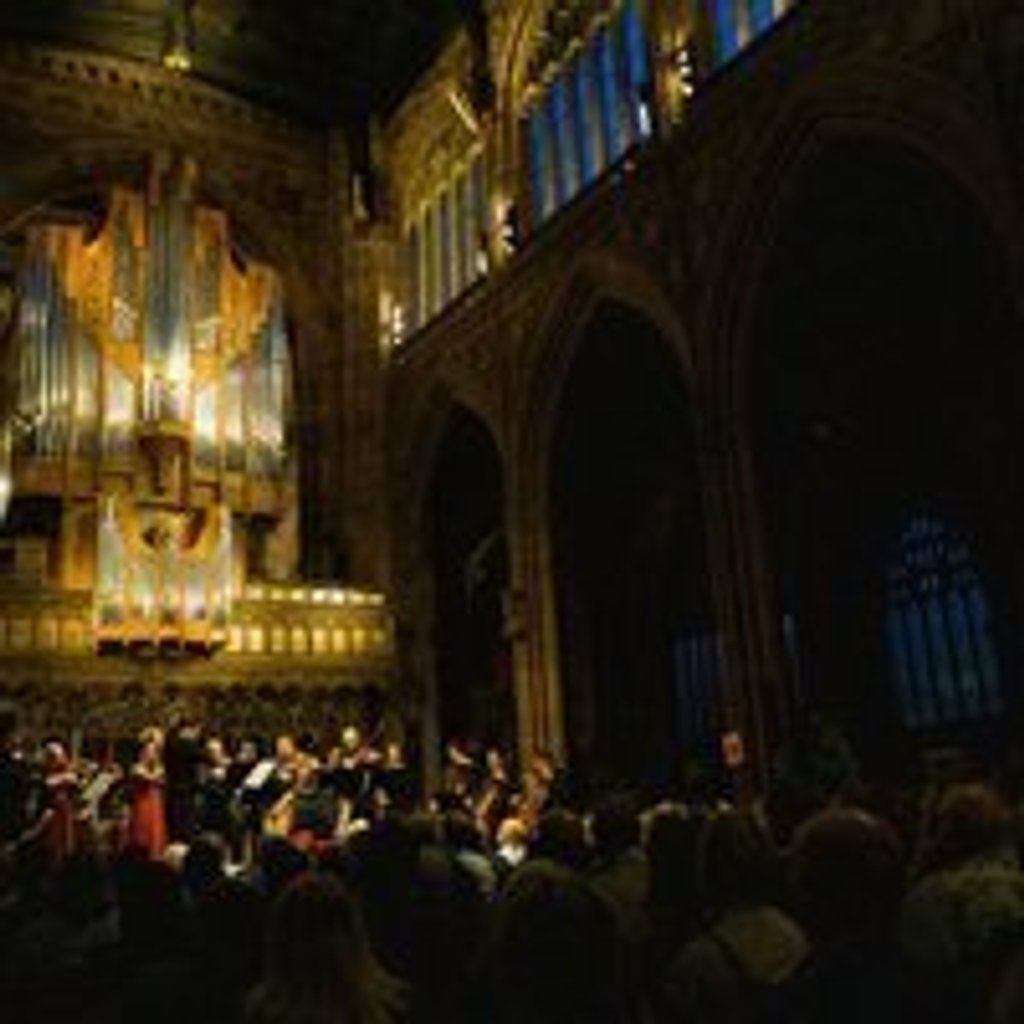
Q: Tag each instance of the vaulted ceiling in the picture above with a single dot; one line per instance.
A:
(318, 60)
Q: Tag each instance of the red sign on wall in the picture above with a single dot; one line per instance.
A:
(733, 752)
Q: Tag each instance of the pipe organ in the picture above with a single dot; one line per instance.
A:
(145, 451)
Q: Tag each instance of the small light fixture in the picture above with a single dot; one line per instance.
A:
(509, 228)
(684, 69)
(178, 36)
(397, 325)
(464, 109)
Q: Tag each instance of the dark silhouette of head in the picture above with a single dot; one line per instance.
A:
(319, 966)
(461, 832)
(847, 869)
(560, 837)
(971, 820)
(280, 862)
(736, 863)
(671, 846)
(555, 954)
(616, 827)
(204, 864)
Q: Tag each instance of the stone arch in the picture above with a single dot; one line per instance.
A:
(872, 108)
(512, 59)
(420, 434)
(601, 276)
(598, 276)
(423, 430)
(873, 99)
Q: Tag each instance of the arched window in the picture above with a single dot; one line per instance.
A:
(939, 630)
(698, 676)
(737, 23)
(591, 113)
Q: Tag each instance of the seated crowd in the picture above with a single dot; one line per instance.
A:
(545, 913)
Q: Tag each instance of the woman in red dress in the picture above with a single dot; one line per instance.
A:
(147, 825)
(60, 823)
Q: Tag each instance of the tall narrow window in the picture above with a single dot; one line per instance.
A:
(445, 231)
(697, 676)
(939, 629)
(726, 28)
(540, 163)
(591, 59)
(586, 117)
(638, 71)
(433, 258)
(761, 14)
(568, 152)
(610, 122)
(412, 300)
(478, 194)
(467, 227)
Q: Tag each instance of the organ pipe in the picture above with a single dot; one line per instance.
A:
(147, 332)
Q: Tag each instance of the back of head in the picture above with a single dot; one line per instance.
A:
(971, 821)
(461, 832)
(279, 863)
(203, 866)
(616, 826)
(848, 872)
(149, 901)
(561, 838)
(1008, 1001)
(318, 961)
(736, 862)
(230, 925)
(671, 846)
(555, 955)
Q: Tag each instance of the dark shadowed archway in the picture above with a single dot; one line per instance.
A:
(639, 653)
(887, 433)
(470, 560)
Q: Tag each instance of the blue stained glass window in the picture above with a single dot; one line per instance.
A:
(901, 666)
(938, 629)
(638, 75)
(540, 162)
(981, 630)
(697, 669)
(726, 24)
(592, 60)
(611, 124)
(555, 146)
(565, 133)
(762, 14)
(584, 114)
(970, 684)
(944, 680)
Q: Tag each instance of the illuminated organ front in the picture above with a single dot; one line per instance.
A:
(151, 406)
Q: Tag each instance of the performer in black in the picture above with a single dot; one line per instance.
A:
(216, 806)
(15, 783)
(183, 757)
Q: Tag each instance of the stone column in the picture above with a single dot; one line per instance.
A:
(756, 702)
(533, 613)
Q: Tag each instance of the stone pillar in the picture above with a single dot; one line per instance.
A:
(533, 620)
(756, 702)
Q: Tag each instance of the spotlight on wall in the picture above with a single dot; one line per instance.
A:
(464, 109)
(176, 54)
(509, 228)
(397, 325)
(684, 70)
